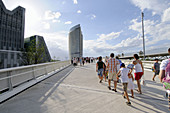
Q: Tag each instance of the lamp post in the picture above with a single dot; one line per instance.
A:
(143, 36)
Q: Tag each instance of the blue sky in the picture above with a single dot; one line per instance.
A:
(107, 25)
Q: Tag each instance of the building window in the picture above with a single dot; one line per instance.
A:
(12, 55)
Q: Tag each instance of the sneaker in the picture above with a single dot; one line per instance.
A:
(109, 87)
(128, 103)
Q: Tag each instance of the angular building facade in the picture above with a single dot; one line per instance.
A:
(75, 42)
(12, 25)
(38, 43)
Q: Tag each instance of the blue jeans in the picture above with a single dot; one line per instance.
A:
(100, 72)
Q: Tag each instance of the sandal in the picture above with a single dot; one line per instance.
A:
(128, 103)
(132, 96)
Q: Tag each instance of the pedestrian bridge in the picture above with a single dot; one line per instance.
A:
(61, 88)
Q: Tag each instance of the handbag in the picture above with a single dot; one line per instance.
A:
(143, 82)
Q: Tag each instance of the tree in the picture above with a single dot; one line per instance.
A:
(140, 53)
(34, 53)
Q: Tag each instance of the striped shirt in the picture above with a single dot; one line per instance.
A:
(112, 65)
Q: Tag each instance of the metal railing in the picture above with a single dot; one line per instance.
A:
(14, 78)
(146, 64)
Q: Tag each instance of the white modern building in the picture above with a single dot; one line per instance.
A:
(75, 42)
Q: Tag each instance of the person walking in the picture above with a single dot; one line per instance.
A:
(112, 68)
(138, 71)
(124, 73)
(106, 69)
(164, 75)
(156, 68)
(118, 66)
(131, 85)
(99, 69)
(83, 61)
(80, 61)
(75, 61)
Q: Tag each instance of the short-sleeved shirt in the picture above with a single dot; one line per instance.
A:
(156, 66)
(100, 65)
(112, 63)
(164, 63)
(124, 74)
(74, 61)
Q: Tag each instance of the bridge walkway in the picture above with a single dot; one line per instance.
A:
(77, 90)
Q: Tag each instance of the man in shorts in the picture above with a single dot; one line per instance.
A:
(156, 68)
(112, 68)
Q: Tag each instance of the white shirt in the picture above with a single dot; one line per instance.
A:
(74, 61)
(164, 63)
(124, 75)
(137, 68)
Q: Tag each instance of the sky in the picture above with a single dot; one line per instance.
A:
(108, 26)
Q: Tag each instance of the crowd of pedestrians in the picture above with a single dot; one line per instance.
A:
(81, 60)
(112, 68)
(115, 69)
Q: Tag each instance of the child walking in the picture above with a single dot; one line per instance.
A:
(156, 68)
(131, 85)
(124, 73)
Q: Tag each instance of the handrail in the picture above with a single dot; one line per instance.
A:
(23, 67)
(17, 75)
(17, 79)
(146, 64)
(20, 74)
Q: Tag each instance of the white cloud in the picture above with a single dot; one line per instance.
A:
(78, 11)
(57, 43)
(100, 46)
(75, 1)
(93, 16)
(157, 6)
(49, 15)
(155, 31)
(166, 17)
(68, 22)
(110, 36)
(130, 42)
(54, 21)
(46, 25)
(137, 26)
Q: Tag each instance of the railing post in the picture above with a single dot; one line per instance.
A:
(33, 73)
(45, 70)
(54, 67)
(9, 81)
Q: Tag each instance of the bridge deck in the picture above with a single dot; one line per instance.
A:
(81, 92)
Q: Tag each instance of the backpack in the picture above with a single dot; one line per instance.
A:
(166, 79)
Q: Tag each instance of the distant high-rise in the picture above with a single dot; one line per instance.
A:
(75, 42)
(39, 42)
(12, 25)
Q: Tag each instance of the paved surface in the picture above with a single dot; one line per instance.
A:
(81, 92)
